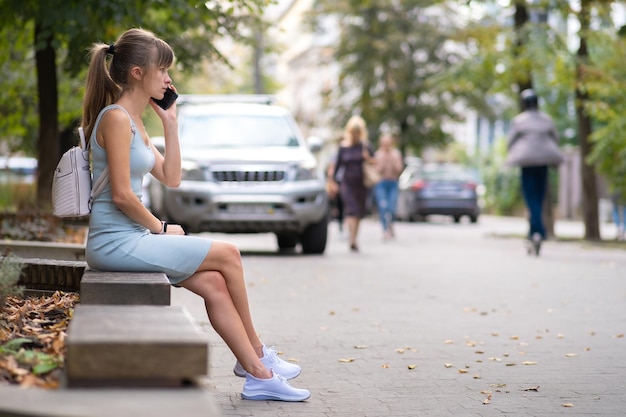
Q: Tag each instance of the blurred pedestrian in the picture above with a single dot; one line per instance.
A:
(389, 165)
(123, 234)
(354, 150)
(619, 214)
(334, 197)
(533, 146)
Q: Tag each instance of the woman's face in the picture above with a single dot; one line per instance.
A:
(355, 132)
(157, 81)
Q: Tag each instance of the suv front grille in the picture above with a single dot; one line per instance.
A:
(248, 176)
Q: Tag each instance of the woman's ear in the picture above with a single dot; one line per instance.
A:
(136, 73)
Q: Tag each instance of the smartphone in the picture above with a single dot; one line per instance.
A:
(168, 99)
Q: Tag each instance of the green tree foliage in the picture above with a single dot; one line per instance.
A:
(391, 53)
(54, 36)
(608, 107)
(18, 99)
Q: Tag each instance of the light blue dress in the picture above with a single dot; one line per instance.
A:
(117, 243)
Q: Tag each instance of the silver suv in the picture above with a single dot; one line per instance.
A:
(245, 169)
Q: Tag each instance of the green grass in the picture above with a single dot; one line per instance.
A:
(17, 196)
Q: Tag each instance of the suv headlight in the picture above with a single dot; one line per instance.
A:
(306, 172)
(191, 171)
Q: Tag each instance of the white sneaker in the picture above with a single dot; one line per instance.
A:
(276, 388)
(271, 361)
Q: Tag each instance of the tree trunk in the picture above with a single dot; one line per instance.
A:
(257, 56)
(48, 143)
(588, 172)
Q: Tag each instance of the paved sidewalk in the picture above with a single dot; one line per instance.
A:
(445, 320)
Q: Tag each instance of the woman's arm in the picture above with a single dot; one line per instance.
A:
(167, 169)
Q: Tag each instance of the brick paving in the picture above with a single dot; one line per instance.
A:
(486, 329)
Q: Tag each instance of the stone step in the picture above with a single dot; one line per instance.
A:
(141, 346)
(124, 288)
(51, 274)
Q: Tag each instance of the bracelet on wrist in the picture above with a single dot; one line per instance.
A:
(163, 228)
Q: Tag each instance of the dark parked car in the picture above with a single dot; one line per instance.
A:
(444, 189)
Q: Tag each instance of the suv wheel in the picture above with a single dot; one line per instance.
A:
(313, 239)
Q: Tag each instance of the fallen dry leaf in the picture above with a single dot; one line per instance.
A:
(495, 334)
(448, 341)
(385, 366)
(529, 363)
(495, 359)
(536, 388)
(463, 371)
(447, 365)
(497, 385)
(567, 405)
(619, 336)
(346, 360)
(514, 338)
(476, 376)
(361, 346)
(399, 350)
(571, 355)
(486, 392)
(411, 366)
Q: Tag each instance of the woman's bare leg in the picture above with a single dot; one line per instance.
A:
(353, 226)
(225, 258)
(225, 318)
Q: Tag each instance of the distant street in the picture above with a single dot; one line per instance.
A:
(447, 320)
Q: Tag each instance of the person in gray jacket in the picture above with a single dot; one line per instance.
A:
(533, 146)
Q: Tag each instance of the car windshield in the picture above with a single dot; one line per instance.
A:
(236, 131)
(449, 174)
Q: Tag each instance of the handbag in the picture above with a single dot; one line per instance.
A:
(72, 192)
(371, 176)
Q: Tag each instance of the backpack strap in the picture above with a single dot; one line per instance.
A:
(102, 181)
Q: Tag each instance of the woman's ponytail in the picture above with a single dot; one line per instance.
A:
(100, 89)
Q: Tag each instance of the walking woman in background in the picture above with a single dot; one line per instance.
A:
(389, 165)
(353, 151)
(125, 236)
(533, 146)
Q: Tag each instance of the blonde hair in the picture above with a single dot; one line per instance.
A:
(355, 124)
(105, 83)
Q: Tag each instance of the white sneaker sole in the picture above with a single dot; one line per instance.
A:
(265, 396)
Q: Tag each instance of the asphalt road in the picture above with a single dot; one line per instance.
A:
(447, 319)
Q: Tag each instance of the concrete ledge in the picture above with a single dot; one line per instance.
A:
(124, 288)
(33, 402)
(51, 250)
(134, 346)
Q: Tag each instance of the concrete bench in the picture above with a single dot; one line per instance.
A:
(124, 288)
(126, 346)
